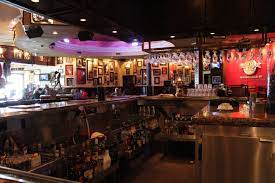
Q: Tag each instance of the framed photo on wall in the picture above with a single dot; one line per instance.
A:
(95, 81)
(59, 60)
(84, 62)
(95, 73)
(112, 77)
(127, 71)
(100, 62)
(100, 71)
(70, 81)
(79, 62)
(116, 76)
(112, 66)
(80, 76)
(156, 80)
(89, 69)
(106, 68)
(139, 63)
(69, 70)
(94, 61)
(134, 68)
(164, 70)
(100, 81)
(156, 72)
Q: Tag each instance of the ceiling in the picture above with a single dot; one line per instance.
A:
(157, 20)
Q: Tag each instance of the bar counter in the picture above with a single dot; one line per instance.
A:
(19, 111)
(209, 115)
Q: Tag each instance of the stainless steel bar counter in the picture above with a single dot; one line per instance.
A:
(235, 146)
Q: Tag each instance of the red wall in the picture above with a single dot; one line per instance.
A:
(233, 71)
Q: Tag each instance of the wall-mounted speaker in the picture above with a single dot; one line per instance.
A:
(85, 35)
(34, 31)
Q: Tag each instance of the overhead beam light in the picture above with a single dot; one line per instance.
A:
(135, 42)
(256, 30)
(83, 20)
(66, 40)
(212, 33)
(35, 1)
(114, 31)
(172, 37)
(55, 32)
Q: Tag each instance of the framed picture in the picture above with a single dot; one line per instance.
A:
(111, 76)
(69, 70)
(106, 68)
(155, 64)
(112, 66)
(139, 63)
(164, 70)
(70, 81)
(100, 71)
(106, 79)
(156, 80)
(95, 73)
(100, 62)
(95, 81)
(79, 62)
(135, 68)
(100, 81)
(143, 76)
(59, 60)
(80, 76)
(163, 64)
(116, 76)
(60, 70)
(90, 69)
(94, 61)
(84, 62)
(139, 80)
(216, 79)
(156, 72)
(127, 71)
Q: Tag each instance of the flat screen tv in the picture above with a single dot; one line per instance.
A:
(44, 77)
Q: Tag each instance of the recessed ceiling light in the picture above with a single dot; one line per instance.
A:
(212, 33)
(35, 49)
(83, 20)
(66, 40)
(35, 1)
(172, 36)
(55, 32)
(256, 30)
(114, 31)
(135, 42)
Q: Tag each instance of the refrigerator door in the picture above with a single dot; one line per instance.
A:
(237, 159)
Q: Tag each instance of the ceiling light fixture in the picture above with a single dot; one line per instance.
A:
(35, 49)
(114, 31)
(172, 37)
(135, 42)
(35, 1)
(55, 32)
(212, 33)
(83, 20)
(256, 30)
(66, 40)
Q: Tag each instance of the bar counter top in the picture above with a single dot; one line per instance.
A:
(209, 115)
(25, 110)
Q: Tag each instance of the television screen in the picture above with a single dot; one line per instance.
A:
(44, 77)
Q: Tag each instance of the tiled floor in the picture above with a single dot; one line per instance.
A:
(164, 170)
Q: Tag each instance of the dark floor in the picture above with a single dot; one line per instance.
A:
(163, 170)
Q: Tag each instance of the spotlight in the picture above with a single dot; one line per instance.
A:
(212, 33)
(35, 1)
(135, 42)
(55, 32)
(256, 30)
(83, 20)
(172, 37)
(114, 31)
(66, 40)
